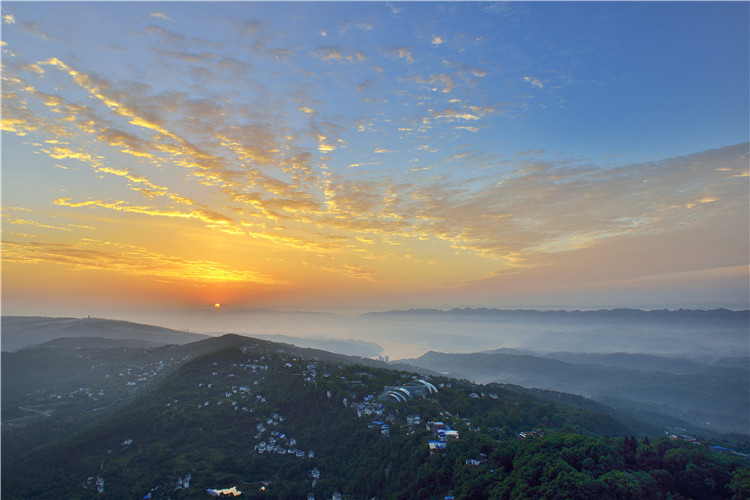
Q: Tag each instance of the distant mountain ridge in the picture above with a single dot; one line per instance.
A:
(711, 316)
(23, 331)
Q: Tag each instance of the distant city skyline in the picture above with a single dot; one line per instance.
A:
(361, 156)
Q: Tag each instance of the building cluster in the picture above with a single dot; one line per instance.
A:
(230, 492)
(441, 434)
(369, 407)
(277, 442)
(183, 483)
(719, 450)
(87, 392)
(482, 460)
(314, 474)
(119, 382)
(311, 373)
(95, 482)
(530, 434)
(237, 396)
(380, 418)
(140, 376)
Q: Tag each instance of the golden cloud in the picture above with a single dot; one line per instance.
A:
(130, 260)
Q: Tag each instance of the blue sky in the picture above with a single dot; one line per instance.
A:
(444, 152)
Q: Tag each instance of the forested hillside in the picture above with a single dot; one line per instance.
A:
(274, 421)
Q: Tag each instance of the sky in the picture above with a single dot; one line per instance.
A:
(374, 155)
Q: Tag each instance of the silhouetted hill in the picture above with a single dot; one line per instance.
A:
(94, 343)
(23, 331)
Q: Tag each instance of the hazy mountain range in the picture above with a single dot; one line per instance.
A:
(712, 396)
(693, 317)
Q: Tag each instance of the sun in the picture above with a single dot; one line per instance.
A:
(217, 306)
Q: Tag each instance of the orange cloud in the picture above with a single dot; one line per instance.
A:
(204, 215)
(129, 260)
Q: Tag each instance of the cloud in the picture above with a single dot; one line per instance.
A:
(13, 219)
(130, 260)
(547, 208)
(160, 15)
(401, 52)
(251, 26)
(541, 208)
(205, 167)
(450, 114)
(356, 272)
(367, 84)
(254, 144)
(98, 89)
(467, 113)
(18, 126)
(168, 36)
(477, 72)
(211, 218)
(259, 48)
(436, 40)
(153, 189)
(393, 9)
(34, 28)
(336, 53)
(184, 56)
(534, 81)
(9, 19)
(443, 79)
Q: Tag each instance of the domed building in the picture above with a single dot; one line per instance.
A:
(402, 393)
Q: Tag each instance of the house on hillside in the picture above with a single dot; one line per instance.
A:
(413, 419)
(435, 446)
(233, 491)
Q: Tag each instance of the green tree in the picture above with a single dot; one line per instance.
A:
(739, 486)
